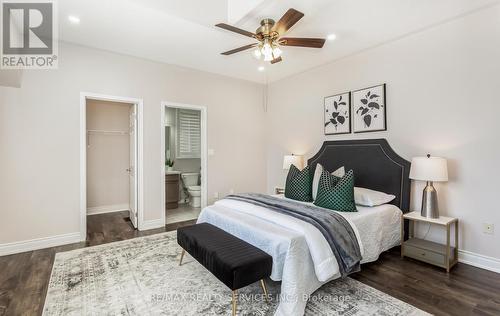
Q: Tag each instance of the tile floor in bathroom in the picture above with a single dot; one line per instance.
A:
(183, 213)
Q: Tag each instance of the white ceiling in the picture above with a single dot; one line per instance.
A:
(183, 32)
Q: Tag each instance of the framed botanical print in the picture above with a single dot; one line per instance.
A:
(369, 109)
(338, 114)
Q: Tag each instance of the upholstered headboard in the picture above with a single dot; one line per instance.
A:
(376, 166)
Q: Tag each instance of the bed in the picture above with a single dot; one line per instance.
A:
(302, 258)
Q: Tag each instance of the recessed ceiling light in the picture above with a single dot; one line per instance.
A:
(331, 37)
(261, 68)
(74, 19)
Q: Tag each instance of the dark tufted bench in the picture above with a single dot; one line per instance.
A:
(233, 261)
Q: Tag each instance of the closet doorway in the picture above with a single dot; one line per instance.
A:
(184, 161)
(111, 163)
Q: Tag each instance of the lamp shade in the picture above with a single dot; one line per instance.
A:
(429, 169)
(297, 161)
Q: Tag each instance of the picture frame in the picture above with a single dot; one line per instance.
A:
(369, 109)
(337, 114)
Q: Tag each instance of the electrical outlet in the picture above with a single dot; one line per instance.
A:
(488, 228)
(216, 195)
(231, 191)
(279, 190)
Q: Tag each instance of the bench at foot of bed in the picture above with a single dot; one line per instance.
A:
(233, 261)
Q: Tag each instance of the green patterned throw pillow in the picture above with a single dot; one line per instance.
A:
(298, 184)
(336, 193)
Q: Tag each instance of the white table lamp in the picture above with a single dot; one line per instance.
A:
(429, 169)
(297, 161)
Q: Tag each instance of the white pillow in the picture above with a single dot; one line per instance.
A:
(367, 197)
(340, 172)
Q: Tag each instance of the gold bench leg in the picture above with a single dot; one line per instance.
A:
(263, 284)
(235, 297)
(182, 256)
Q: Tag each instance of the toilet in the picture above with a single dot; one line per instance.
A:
(194, 189)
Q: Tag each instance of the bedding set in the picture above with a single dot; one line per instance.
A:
(323, 228)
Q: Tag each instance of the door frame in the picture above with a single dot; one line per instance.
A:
(84, 96)
(204, 150)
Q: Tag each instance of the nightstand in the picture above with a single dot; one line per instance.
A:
(443, 256)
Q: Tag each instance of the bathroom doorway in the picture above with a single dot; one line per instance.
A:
(184, 161)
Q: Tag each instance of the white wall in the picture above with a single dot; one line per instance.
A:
(108, 156)
(442, 98)
(11, 78)
(39, 135)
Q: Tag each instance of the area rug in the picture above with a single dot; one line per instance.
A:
(141, 276)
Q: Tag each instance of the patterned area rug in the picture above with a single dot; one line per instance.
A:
(141, 277)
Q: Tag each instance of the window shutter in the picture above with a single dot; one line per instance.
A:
(189, 134)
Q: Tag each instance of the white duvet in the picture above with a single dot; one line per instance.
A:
(302, 258)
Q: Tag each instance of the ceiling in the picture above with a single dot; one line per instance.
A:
(183, 32)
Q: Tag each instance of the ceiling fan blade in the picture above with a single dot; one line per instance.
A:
(235, 29)
(239, 49)
(302, 42)
(288, 20)
(276, 60)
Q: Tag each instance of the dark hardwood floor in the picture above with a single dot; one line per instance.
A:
(24, 277)
(465, 291)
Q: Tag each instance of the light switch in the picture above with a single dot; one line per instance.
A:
(211, 152)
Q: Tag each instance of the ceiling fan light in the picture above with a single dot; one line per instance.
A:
(277, 52)
(270, 38)
(266, 48)
(267, 51)
(257, 53)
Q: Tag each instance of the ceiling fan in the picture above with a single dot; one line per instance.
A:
(269, 36)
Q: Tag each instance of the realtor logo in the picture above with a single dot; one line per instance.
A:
(29, 39)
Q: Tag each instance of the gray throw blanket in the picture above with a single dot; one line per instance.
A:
(334, 227)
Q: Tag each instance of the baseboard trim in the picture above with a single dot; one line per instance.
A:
(39, 243)
(479, 261)
(107, 209)
(466, 257)
(152, 224)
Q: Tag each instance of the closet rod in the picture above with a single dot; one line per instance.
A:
(107, 132)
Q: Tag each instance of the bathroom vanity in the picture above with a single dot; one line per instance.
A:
(172, 180)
